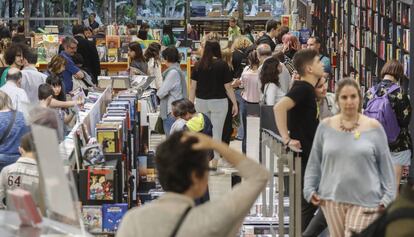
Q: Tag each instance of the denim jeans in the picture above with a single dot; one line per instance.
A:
(240, 100)
(167, 123)
(6, 159)
(243, 123)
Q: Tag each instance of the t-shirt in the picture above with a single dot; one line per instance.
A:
(303, 118)
(210, 82)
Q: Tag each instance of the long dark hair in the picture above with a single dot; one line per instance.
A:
(55, 80)
(211, 50)
(153, 51)
(167, 30)
(270, 72)
(136, 47)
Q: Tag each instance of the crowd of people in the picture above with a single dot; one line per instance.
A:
(352, 156)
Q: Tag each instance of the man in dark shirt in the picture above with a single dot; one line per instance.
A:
(296, 114)
(88, 51)
(70, 45)
(271, 32)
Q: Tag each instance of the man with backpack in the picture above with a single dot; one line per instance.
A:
(390, 105)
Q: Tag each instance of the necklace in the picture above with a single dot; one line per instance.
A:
(346, 129)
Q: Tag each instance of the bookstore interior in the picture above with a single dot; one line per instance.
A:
(106, 155)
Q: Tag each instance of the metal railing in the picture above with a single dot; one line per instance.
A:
(288, 165)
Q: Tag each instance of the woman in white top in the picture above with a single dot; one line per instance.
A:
(269, 79)
(182, 165)
(152, 55)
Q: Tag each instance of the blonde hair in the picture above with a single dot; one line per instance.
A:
(5, 101)
(210, 36)
(241, 42)
(227, 56)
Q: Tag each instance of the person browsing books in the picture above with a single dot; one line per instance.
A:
(23, 174)
(70, 45)
(137, 65)
(173, 87)
(12, 128)
(182, 165)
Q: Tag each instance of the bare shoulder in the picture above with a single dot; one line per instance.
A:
(330, 120)
(370, 122)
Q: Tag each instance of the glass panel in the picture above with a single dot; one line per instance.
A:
(124, 11)
(64, 26)
(53, 8)
(100, 7)
(161, 8)
(17, 9)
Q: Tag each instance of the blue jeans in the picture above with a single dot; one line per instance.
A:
(240, 100)
(243, 123)
(167, 123)
(6, 159)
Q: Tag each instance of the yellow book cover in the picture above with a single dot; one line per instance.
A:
(112, 55)
(108, 140)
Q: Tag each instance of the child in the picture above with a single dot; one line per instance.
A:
(23, 174)
(187, 118)
(86, 82)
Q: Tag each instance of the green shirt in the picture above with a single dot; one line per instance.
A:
(3, 76)
(233, 33)
(166, 41)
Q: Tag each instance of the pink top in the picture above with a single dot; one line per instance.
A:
(250, 82)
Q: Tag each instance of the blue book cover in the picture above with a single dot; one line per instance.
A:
(112, 215)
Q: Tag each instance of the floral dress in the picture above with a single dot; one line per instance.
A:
(402, 108)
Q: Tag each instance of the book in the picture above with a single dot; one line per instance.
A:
(92, 218)
(183, 55)
(113, 41)
(102, 51)
(112, 215)
(112, 55)
(100, 184)
(51, 44)
(108, 138)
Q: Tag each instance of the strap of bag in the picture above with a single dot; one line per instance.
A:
(177, 227)
(263, 102)
(9, 127)
(401, 213)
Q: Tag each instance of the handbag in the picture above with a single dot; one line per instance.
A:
(159, 126)
(267, 116)
(9, 127)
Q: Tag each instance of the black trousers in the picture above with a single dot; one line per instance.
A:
(228, 125)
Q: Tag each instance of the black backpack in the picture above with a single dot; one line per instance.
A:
(379, 226)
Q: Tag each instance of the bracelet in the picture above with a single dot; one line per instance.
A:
(287, 143)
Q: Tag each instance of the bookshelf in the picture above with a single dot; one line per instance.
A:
(362, 35)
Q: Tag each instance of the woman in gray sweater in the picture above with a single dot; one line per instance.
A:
(349, 172)
(182, 164)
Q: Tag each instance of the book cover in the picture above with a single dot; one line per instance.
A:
(113, 41)
(51, 44)
(92, 218)
(108, 140)
(123, 53)
(112, 215)
(112, 55)
(100, 184)
(286, 20)
(102, 51)
(183, 54)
